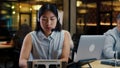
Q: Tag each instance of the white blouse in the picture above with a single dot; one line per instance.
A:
(47, 47)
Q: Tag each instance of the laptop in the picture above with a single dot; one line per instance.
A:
(89, 48)
(45, 63)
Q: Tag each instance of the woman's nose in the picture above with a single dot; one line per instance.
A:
(48, 22)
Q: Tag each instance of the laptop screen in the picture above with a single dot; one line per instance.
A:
(89, 47)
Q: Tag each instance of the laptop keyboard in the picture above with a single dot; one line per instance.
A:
(111, 62)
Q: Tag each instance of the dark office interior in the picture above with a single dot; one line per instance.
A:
(93, 17)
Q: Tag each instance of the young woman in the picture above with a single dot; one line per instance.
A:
(48, 41)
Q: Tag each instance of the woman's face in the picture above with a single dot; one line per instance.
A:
(48, 21)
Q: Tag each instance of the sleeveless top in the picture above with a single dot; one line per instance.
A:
(47, 47)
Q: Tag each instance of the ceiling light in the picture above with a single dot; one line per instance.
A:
(3, 12)
(36, 7)
(13, 7)
(13, 12)
(79, 3)
(30, 9)
(82, 11)
(20, 6)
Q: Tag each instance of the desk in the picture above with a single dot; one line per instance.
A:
(4, 45)
(97, 64)
(6, 53)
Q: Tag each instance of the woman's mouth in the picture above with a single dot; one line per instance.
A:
(48, 28)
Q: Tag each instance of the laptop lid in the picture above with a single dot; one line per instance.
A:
(89, 47)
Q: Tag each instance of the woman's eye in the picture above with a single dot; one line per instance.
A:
(44, 19)
(52, 19)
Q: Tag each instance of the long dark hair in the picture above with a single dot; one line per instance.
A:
(52, 8)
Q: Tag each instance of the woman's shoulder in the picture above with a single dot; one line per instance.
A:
(66, 32)
(32, 32)
(63, 32)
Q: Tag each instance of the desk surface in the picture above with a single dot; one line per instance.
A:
(97, 64)
(5, 45)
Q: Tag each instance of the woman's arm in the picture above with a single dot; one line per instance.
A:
(66, 47)
(25, 51)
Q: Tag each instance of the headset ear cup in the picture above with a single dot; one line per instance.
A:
(38, 19)
(59, 21)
